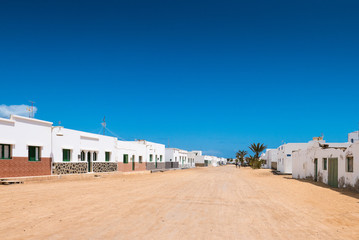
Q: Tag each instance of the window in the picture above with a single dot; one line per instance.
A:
(34, 153)
(289, 155)
(352, 140)
(107, 156)
(140, 159)
(325, 161)
(175, 159)
(5, 151)
(160, 158)
(94, 158)
(125, 158)
(151, 156)
(349, 164)
(66, 155)
(83, 156)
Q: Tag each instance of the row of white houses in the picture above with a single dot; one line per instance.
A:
(335, 164)
(32, 147)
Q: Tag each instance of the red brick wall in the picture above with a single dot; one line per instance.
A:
(21, 167)
(127, 167)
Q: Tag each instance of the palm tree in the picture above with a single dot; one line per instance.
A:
(240, 155)
(256, 149)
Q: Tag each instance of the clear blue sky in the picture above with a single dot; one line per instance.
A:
(209, 75)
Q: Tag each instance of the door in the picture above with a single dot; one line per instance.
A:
(333, 172)
(133, 163)
(315, 169)
(89, 163)
(156, 160)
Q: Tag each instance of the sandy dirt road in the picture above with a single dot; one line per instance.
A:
(201, 203)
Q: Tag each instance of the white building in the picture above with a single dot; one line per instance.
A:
(205, 160)
(131, 155)
(270, 158)
(183, 159)
(199, 159)
(178, 158)
(25, 147)
(190, 160)
(335, 164)
(214, 161)
(81, 152)
(175, 157)
(284, 156)
(353, 136)
(223, 161)
(264, 160)
(140, 155)
(155, 155)
(172, 158)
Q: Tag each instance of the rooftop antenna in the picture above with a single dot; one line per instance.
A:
(31, 109)
(103, 125)
(168, 143)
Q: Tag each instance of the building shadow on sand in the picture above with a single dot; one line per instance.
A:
(344, 191)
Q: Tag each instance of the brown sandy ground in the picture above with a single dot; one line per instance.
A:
(201, 203)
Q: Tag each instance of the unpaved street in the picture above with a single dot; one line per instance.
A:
(201, 203)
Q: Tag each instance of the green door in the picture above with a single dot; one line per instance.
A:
(89, 167)
(133, 163)
(333, 172)
(156, 160)
(315, 169)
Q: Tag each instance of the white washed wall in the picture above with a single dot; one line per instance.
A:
(77, 141)
(22, 132)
